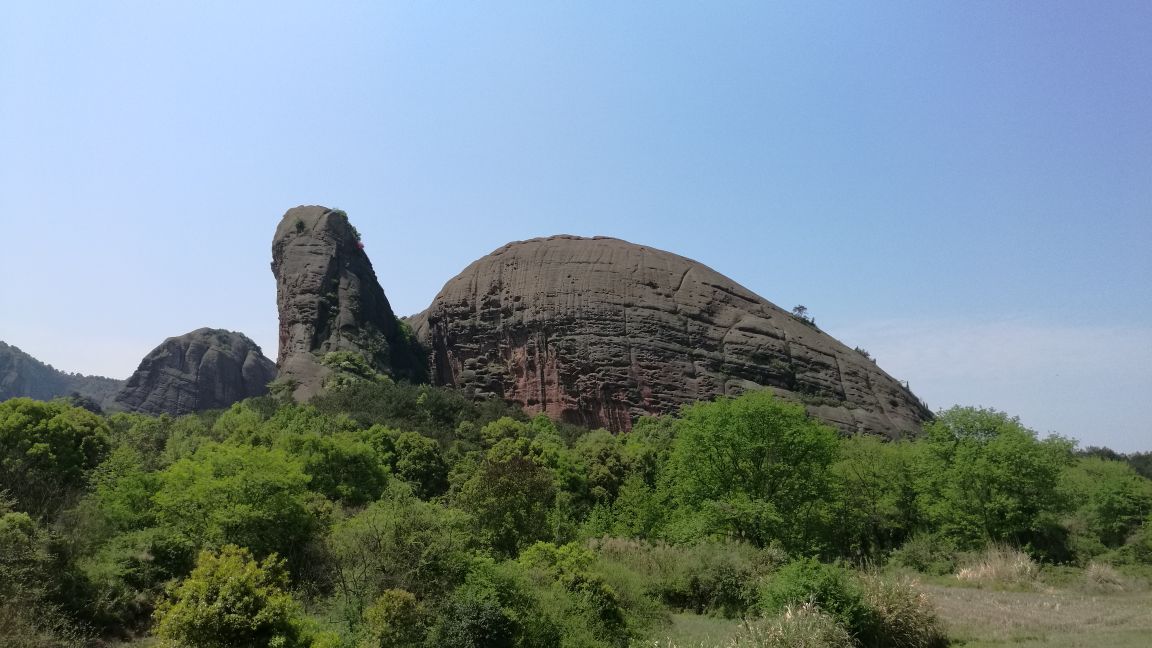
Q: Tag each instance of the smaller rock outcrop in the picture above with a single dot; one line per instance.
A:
(202, 370)
(330, 301)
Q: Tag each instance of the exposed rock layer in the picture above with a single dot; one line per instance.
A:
(204, 369)
(599, 331)
(329, 300)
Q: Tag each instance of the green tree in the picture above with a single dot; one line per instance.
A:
(46, 451)
(249, 496)
(343, 466)
(418, 462)
(875, 507)
(984, 476)
(754, 466)
(509, 497)
(398, 542)
(230, 600)
(1112, 500)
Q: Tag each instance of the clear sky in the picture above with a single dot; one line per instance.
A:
(964, 189)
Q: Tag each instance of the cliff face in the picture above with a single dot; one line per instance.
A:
(598, 331)
(329, 300)
(204, 369)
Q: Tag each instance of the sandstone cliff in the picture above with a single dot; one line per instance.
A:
(598, 331)
(204, 369)
(329, 300)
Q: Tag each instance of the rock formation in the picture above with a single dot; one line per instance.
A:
(598, 331)
(329, 300)
(204, 369)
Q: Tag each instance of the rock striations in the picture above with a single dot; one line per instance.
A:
(329, 300)
(598, 331)
(204, 369)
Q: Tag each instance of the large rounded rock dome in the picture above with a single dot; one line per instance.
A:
(598, 331)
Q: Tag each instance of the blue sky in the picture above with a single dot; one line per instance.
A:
(964, 189)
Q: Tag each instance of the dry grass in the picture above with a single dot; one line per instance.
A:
(801, 626)
(1102, 578)
(999, 565)
(907, 616)
(1061, 618)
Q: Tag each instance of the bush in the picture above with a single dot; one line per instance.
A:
(395, 620)
(709, 577)
(495, 608)
(832, 589)
(232, 601)
(927, 553)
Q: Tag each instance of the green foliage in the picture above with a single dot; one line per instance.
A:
(344, 466)
(495, 608)
(928, 553)
(708, 577)
(1113, 500)
(418, 461)
(127, 575)
(249, 496)
(509, 497)
(755, 467)
(398, 542)
(986, 477)
(232, 601)
(395, 620)
(591, 598)
(875, 507)
(832, 589)
(32, 577)
(46, 451)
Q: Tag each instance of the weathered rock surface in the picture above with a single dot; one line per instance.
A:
(201, 370)
(329, 300)
(599, 331)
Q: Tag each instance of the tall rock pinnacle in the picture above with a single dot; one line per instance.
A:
(598, 331)
(329, 300)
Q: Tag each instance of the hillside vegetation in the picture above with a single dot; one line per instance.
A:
(388, 514)
(23, 375)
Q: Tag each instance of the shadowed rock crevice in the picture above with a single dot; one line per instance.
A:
(201, 370)
(597, 331)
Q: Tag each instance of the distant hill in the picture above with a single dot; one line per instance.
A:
(23, 375)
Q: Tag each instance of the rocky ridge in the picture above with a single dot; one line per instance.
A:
(597, 331)
(23, 375)
(205, 369)
(329, 301)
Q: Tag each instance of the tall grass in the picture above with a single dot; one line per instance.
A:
(999, 565)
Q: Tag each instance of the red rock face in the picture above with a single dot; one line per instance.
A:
(600, 331)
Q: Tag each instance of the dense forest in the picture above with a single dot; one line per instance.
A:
(387, 514)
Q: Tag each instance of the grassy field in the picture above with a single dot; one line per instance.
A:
(1064, 617)
(1045, 617)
